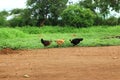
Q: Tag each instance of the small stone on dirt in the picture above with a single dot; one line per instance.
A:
(26, 76)
(115, 57)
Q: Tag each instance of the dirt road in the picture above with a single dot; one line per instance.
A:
(75, 63)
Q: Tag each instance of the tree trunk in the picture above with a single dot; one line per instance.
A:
(42, 22)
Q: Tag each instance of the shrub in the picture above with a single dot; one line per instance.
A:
(3, 17)
(99, 20)
(9, 33)
(77, 16)
(16, 21)
(112, 21)
(2, 21)
(119, 21)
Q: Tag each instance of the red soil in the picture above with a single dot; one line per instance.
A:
(75, 63)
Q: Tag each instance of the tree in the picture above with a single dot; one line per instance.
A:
(77, 16)
(16, 11)
(21, 17)
(3, 17)
(42, 10)
(103, 6)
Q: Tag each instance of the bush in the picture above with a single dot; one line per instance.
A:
(3, 17)
(20, 21)
(9, 33)
(99, 20)
(112, 21)
(119, 21)
(77, 16)
(16, 21)
(2, 21)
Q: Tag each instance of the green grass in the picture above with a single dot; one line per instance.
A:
(29, 37)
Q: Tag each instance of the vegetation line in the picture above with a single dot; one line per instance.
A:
(29, 37)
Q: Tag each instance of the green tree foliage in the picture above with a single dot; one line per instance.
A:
(99, 20)
(119, 21)
(77, 16)
(16, 11)
(102, 5)
(112, 21)
(21, 17)
(3, 16)
(14, 22)
(42, 10)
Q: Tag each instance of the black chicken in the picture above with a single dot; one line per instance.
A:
(45, 42)
(76, 41)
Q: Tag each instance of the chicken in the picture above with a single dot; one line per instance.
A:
(59, 41)
(46, 42)
(76, 41)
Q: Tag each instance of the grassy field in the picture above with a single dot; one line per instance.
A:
(29, 37)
